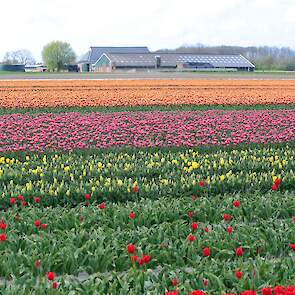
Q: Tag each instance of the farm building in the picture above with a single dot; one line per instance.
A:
(121, 61)
(35, 68)
(12, 68)
(107, 59)
(92, 56)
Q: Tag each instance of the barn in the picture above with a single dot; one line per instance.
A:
(121, 61)
(92, 56)
(107, 59)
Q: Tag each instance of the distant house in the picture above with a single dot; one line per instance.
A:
(35, 68)
(91, 57)
(107, 59)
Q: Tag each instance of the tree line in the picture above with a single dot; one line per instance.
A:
(263, 57)
(56, 55)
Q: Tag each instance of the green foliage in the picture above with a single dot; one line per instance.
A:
(57, 54)
(106, 109)
(86, 246)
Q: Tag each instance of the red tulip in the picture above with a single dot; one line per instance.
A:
(37, 223)
(20, 198)
(205, 282)
(87, 196)
(175, 292)
(24, 203)
(277, 182)
(147, 258)
(239, 251)
(131, 248)
(292, 247)
(293, 218)
(266, 291)
(279, 290)
(50, 275)
(2, 237)
(3, 225)
(290, 290)
(190, 214)
(131, 215)
(174, 282)
(238, 274)
(274, 187)
(144, 259)
(135, 189)
(194, 226)
(248, 292)
(43, 225)
(194, 198)
(236, 203)
(37, 200)
(202, 183)
(226, 217)
(206, 229)
(206, 251)
(12, 201)
(54, 285)
(197, 292)
(191, 237)
(101, 206)
(134, 258)
(229, 229)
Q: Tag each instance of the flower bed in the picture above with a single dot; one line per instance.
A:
(147, 197)
(40, 94)
(67, 131)
(240, 242)
(64, 178)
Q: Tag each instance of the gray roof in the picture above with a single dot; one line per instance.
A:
(172, 59)
(132, 59)
(95, 52)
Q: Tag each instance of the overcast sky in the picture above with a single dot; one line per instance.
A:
(30, 24)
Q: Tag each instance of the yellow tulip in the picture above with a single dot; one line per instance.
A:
(195, 165)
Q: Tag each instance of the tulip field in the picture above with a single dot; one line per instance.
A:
(147, 187)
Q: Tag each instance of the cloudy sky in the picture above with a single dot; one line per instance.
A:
(30, 24)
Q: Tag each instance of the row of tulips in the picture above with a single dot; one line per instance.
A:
(74, 130)
(40, 94)
(277, 290)
(72, 285)
(240, 242)
(118, 175)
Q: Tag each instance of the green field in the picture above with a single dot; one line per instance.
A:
(86, 246)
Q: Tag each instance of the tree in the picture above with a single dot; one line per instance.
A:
(22, 56)
(57, 54)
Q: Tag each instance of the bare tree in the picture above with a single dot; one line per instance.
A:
(22, 56)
